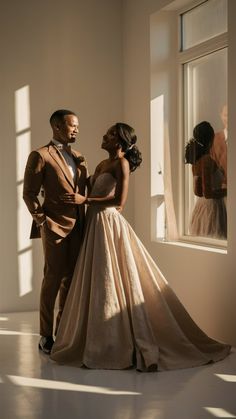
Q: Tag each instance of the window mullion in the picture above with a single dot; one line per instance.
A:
(207, 47)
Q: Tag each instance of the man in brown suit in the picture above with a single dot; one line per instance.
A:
(219, 147)
(55, 169)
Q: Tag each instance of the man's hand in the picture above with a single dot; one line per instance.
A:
(73, 198)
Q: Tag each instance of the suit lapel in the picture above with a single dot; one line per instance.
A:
(59, 159)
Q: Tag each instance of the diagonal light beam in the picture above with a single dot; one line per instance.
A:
(63, 385)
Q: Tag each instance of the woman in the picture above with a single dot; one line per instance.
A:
(209, 217)
(120, 311)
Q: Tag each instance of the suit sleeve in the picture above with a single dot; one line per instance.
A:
(219, 153)
(33, 180)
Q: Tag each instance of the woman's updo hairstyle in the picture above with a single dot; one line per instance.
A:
(200, 143)
(127, 139)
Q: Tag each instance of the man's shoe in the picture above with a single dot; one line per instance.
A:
(45, 344)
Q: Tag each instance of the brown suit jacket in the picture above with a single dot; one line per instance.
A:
(47, 169)
(219, 153)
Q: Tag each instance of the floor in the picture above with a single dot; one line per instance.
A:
(33, 387)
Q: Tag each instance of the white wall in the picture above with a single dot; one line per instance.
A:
(69, 53)
(204, 281)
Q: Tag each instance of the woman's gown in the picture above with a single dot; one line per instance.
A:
(120, 311)
(209, 216)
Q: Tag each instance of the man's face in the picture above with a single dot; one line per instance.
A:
(67, 130)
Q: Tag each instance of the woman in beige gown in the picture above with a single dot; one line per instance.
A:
(209, 216)
(120, 311)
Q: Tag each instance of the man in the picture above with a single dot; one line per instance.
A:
(219, 147)
(55, 169)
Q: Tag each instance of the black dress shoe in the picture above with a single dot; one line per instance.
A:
(152, 368)
(45, 344)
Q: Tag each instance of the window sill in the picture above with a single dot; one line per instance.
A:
(185, 242)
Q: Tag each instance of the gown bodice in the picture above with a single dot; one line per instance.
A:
(103, 185)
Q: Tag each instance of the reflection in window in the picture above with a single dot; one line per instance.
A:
(204, 69)
(201, 78)
(209, 217)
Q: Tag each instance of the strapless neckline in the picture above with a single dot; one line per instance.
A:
(103, 174)
(103, 185)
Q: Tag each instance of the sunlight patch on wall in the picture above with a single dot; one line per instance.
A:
(25, 270)
(23, 147)
(24, 222)
(157, 168)
(157, 145)
(22, 109)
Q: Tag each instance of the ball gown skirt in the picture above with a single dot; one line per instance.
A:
(120, 311)
(209, 218)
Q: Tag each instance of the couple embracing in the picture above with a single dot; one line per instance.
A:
(116, 310)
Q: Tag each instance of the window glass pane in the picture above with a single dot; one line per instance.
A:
(206, 88)
(204, 22)
(206, 100)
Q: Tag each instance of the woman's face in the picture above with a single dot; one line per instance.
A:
(110, 139)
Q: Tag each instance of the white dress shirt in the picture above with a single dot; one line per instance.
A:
(68, 158)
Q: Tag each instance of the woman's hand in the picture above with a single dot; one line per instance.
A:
(73, 198)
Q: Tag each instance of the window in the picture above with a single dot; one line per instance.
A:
(203, 87)
(188, 86)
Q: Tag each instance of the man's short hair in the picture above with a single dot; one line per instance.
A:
(58, 116)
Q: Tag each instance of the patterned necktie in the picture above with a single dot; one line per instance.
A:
(64, 147)
(67, 148)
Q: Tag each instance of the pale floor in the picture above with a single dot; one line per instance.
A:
(32, 386)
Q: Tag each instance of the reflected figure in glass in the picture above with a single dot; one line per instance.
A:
(209, 217)
(219, 146)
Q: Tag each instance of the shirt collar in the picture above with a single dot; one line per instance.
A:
(57, 144)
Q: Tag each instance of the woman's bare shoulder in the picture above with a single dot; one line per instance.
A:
(123, 163)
